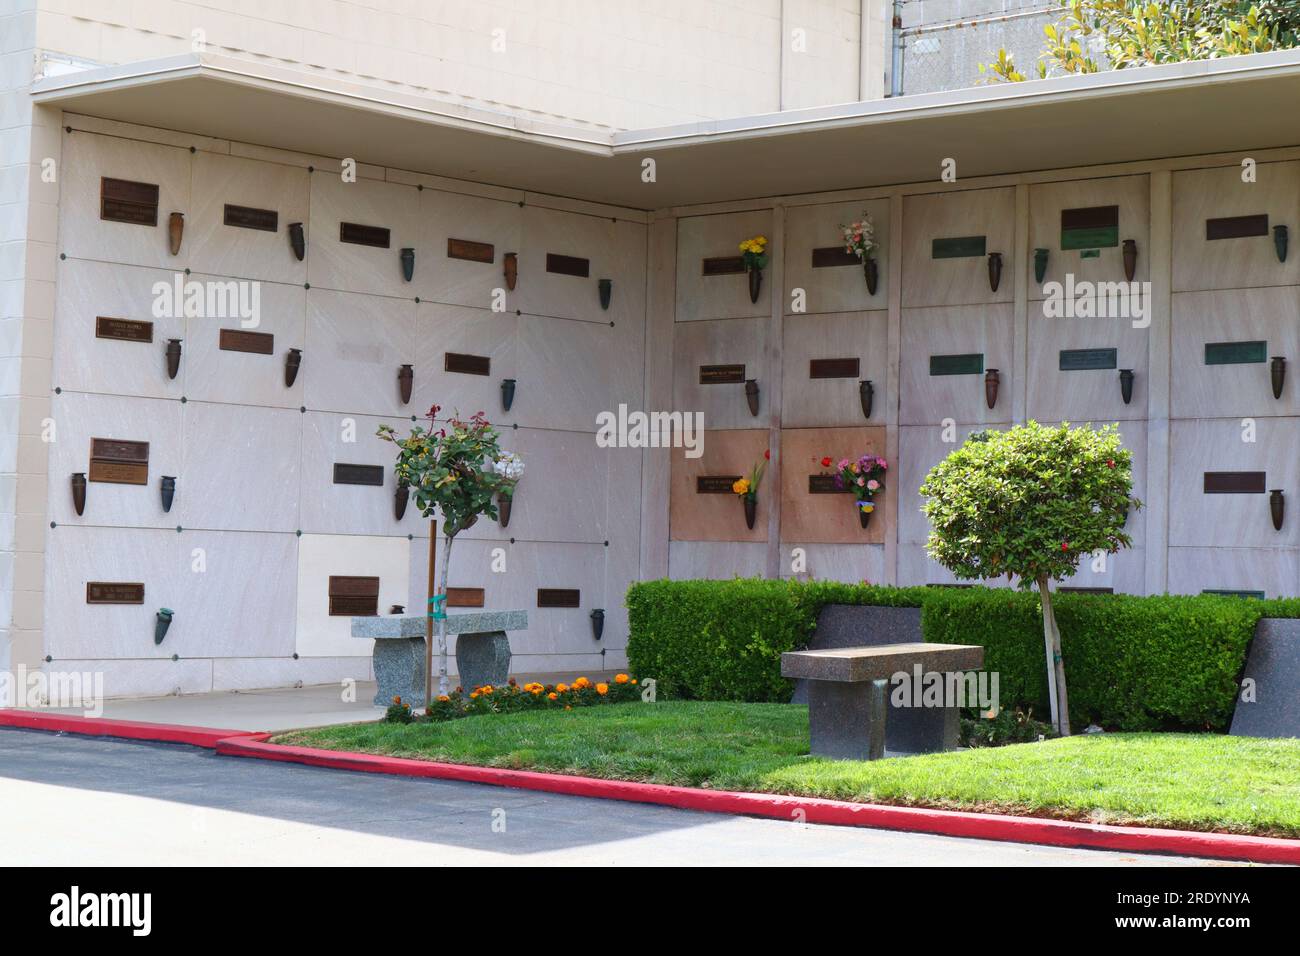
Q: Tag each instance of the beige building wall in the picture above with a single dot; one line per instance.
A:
(608, 63)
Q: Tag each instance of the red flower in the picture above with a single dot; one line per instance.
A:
(826, 462)
(1065, 546)
(768, 455)
(1110, 462)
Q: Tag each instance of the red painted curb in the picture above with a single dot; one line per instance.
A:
(985, 826)
(127, 729)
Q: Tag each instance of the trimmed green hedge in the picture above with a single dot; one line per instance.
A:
(1132, 663)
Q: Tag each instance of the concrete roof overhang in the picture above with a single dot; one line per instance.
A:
(1180, 109)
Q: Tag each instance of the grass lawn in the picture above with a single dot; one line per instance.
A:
(1189, 781)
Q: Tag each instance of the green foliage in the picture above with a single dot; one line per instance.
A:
(450, 468)
(1029, 501)
(1015, 726)
(398, 712)
(1128, 33)
(1133, 663)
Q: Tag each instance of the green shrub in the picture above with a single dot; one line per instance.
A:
(1134, 663)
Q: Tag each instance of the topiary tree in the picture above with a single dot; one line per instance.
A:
(456, 469)
(1029, 503)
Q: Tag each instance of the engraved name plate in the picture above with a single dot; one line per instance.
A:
(346, 474)
(241, 340)
(1095, 227)
(353, 596)
(721, 374)
(121, 200)
(123, 330)
(722, 265)
(1227, 592)
(114, 592)
(828, 257)
(119, 462)
(960, 247)
(568, 265)
(971, 364)
(1234, 482)
(715, 484)
(1078, 360)
(1235, 353)
(1236, 227)
(470, 251)
(246, 217)
(833, 368)
(466, 364)
(825, 485)
(377, 236)
(465, 597)
(558, 597)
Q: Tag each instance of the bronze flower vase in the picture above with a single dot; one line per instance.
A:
(503, 509)
(173, 357)
(510, 267)
(1130, 253)
(871, 269)
(1040, 264)
(1276, 506)
(866, 394)
(991, 381)
(1277, 374)
(79, 491)
(292, 362)
(1126, 384)
(405, 382)
(755, 282)
(175, 232)
(751, 510)
(297, 241)
(995, 270)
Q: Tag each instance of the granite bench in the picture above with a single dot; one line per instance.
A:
(482, 650)
(848, 690)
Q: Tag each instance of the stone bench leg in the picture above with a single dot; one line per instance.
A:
(482, 658)
(923, 730)
(399, 671)
(846, 721)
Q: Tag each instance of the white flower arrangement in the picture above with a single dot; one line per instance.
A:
(509, 466)
(860, 237)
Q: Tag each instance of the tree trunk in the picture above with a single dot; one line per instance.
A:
(430, 591)
(442, 621)
(1055, 665)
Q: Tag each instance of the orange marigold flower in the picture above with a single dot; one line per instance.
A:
(602, 689)
(562, 688)
(568, 707)
(582, 682)
(553, 696)
(397, 700)
(443, 698)
(633, 680)
(620, 678)
(473, 695)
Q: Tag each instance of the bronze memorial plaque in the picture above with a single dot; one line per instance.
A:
(123, 330)
(831, 256)
(345, 474)
(241, 340)
(377, 236)
(465, 597)
(722, 374)
(722, 266)
(833, 368)
(1233, 482)
(568, 265)
(119, 462)
(353, 596)
(470, 251)
(121, 200)
(114, 592)
(246, 217)
(715, 484)
(466, 364)
(824, 485)
(558, 597)
(1236, 227)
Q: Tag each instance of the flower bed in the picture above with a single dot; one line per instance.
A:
(513, 697)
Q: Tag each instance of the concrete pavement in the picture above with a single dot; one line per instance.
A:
(82, 801)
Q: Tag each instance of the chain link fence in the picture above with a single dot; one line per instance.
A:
(945, 41)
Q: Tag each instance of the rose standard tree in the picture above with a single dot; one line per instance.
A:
(456, 469)
(1029, 503)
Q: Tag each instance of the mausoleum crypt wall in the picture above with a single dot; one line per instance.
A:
(279, 481)
(1034, 297)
